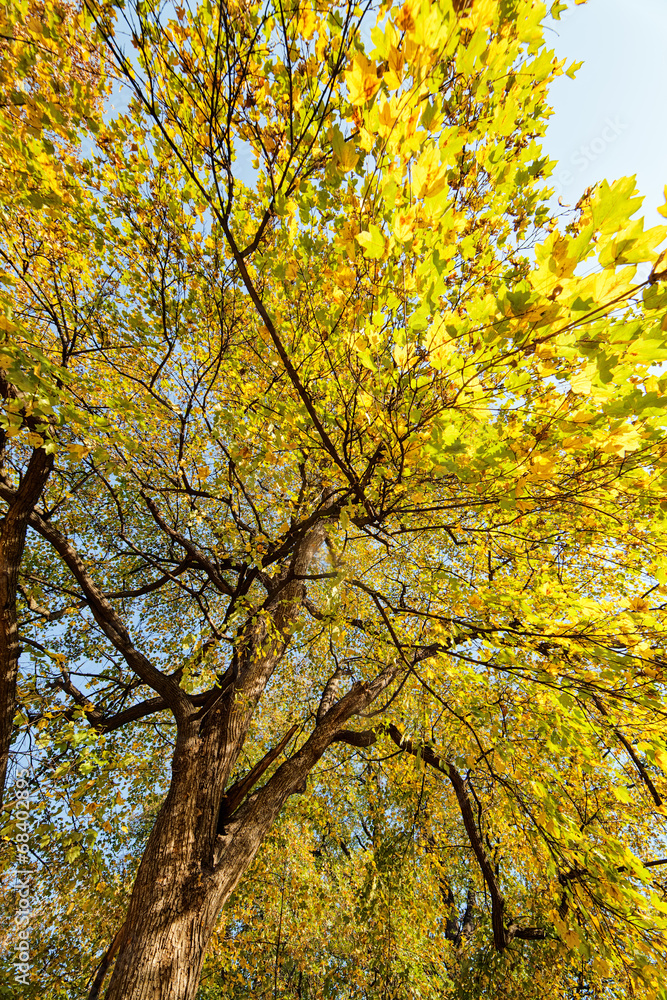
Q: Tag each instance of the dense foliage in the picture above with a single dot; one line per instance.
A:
(334, 474)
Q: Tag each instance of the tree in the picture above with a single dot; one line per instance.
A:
(42, 114)
(383, 473)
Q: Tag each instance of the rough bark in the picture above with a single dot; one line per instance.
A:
(189, 871)
(206, 834)
(12, 543)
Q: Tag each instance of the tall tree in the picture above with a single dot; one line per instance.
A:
(389, 474)
(51, 84)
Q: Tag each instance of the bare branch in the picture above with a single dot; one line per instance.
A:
(108, 619)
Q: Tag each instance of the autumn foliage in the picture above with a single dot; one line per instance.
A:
(333, 467)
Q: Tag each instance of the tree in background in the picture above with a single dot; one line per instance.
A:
(357, 489)
(52, 86)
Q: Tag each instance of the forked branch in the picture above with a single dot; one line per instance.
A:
(502, 935)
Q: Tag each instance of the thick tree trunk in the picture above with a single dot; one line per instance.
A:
(174, 901)
(164, 963)
(12, 543)
(189, 870)
(204, 840)
(181, 886)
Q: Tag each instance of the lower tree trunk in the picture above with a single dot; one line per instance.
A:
(165, 962)
(177, 897)
(174, 903)
(9, 666)
(189, 869)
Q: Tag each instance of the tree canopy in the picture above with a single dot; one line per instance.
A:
(334, 473)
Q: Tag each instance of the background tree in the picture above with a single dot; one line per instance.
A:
(51, 87)
(387, 480)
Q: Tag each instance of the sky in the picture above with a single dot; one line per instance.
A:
(611, 121)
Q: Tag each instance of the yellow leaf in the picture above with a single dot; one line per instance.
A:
(439, 343)
(659, 904)
(482, 14)
(362, 79)
(581, 383)
(372, 241)
(307, 22)
(348, 156)
(625, 440)
(78, 450)
(395, 75)
(405, 20)
(663, 208)
(571, 938)
(388, 115)
(581, 417)
(404, 226)
(575, 441)
(429, 174)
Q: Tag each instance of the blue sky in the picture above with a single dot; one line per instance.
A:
(611, 121)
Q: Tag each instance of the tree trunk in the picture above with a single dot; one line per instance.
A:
(181, 887)
(189, 870)
(164, 963)
(175, 902)
(12, 543)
